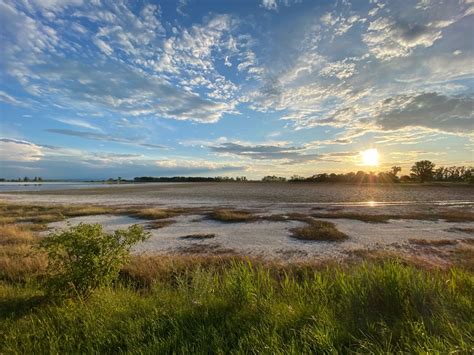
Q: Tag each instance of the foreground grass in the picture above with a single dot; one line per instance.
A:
(236, 306)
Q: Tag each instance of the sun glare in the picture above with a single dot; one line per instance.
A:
(370, 157)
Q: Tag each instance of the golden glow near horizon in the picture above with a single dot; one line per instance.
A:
(370, 157)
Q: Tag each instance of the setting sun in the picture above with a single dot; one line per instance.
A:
(370, 157)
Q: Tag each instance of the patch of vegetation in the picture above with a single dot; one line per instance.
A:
(18, 258)
(158, 224)
(245, 307)
(462, 230)
(153, 213)
(206, 249)
(319, 231)
(448, 216)
(198, 236)
(369, 218)
(436, 242)
(276, 218)
(230, 216)
(84, 257)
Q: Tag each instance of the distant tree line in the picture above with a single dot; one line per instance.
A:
(25, 179)
(421, 171)
(190, 179)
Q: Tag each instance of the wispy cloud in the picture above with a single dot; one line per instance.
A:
(104, 137)
(78, 123)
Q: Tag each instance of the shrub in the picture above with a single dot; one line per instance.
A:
(85, 257)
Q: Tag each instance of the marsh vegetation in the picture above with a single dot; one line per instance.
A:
(199, 303)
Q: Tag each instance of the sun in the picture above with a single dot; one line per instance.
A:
(370, 157)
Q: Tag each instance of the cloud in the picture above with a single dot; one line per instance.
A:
(196, 165)
(129, 80)
(129, 93)
(287, 155)
(7, 98)
(429, 110)
(19, 157)
(104, 47)
(19, 150)
(78, 123)
(269, 4)
(274, 4)
(387, 38)
(104, 137)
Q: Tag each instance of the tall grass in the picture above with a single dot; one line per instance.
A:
(241, 307)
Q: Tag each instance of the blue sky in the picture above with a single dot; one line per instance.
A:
(98, 89)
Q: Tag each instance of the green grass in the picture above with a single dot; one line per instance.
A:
(239, 307)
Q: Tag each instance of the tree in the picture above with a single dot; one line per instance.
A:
(396, 170)
(423, 170)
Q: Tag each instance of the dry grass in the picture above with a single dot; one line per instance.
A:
(206, 249)
(145, 270)
(199, 236)
(154, 213)
(369, 218)
(447, 215)
(14, 234)
(86, 211)
(462, 230)
(435, 243)
(230, 216)
(18, 258)
(463, 257)
(319, 231)
(158, 224)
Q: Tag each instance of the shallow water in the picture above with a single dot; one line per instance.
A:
(46, 186)
(259, 195)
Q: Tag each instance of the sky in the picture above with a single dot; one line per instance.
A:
(99, 89)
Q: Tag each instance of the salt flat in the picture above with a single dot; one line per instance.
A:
(272, 239)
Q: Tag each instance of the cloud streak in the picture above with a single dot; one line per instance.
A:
(104, 137)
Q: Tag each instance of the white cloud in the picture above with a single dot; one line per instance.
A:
(104, 47)
(78, 123)
(274, 4)
(269, 4)
(19, 150)
(388, 39)
(9, 99)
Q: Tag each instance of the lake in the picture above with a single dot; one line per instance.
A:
(245, 194)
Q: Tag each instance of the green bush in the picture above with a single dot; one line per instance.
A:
(85, 257)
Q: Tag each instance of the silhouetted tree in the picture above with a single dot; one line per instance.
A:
(396, 170)
(423, 170)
